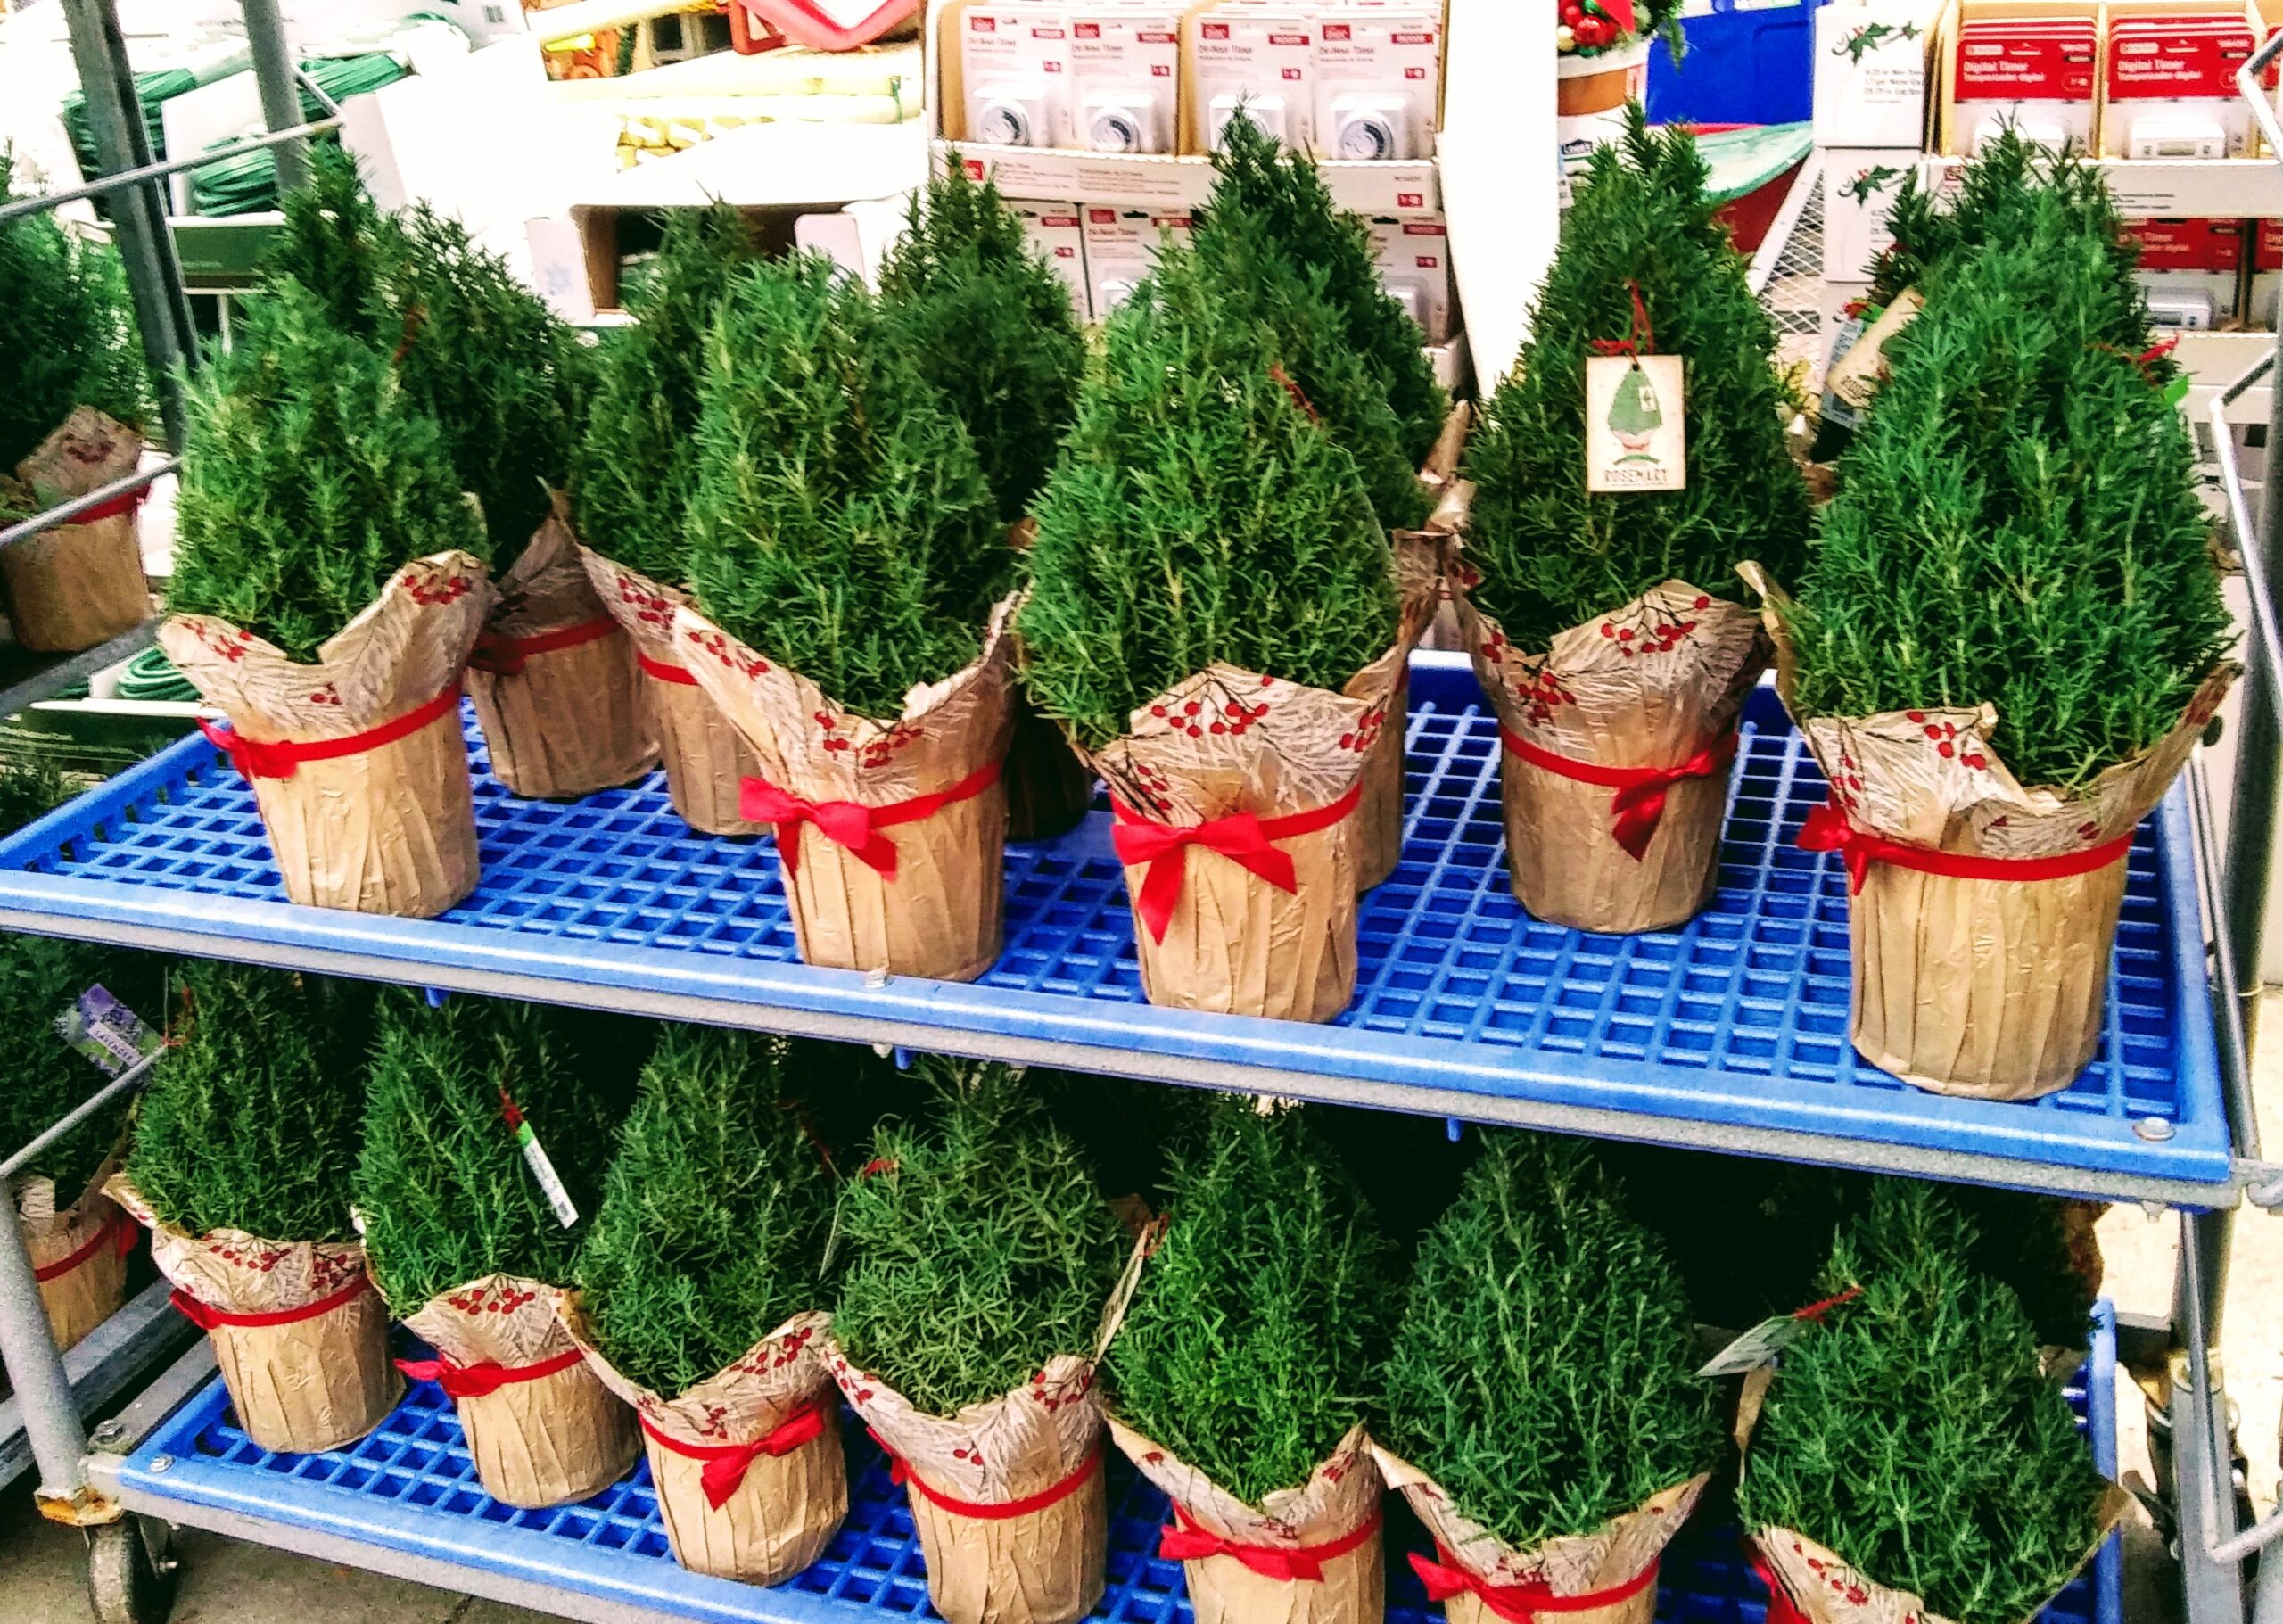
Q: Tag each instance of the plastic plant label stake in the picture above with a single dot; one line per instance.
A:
(1634, 439)
(550, 1183)
(107, 1032)
(1761, 1344)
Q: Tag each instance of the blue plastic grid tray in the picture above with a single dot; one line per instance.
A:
(409, 1487)
(1730, 1033)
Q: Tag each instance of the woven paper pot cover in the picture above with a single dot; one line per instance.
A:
(1619, 740)
(77, 585)
(892, 834)
(1007, 1496)
(1972, 981)
(704, 759)
(554, 679)
(751, 1480)
(541, 1427)
(78, 1254)
(300, 1333)
(1308, 1554)
(386, 826)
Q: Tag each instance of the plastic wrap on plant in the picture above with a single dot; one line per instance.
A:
(898, 839)
(1378, 825)
(385, 829)
(79, 1253)
(1809, 1584)
(1311, 1554)
(317, 1376)
(751, 1480)
(561, 707)
(77, 585)
(1655, 684)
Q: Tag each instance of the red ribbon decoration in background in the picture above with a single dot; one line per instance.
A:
(119, 1233)
(990, 1511)
(501, 655)
(1638, 806)
(1828, 829)
(1182, 1540)
(278, 761)
(210, 1319)
(849, 823)
(680, 676)
(1242, 838)
(481, 1381)
(1519, 1603)
(726, 1464)
(1638, 340)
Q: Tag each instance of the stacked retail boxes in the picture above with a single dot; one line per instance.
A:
(1872, 80)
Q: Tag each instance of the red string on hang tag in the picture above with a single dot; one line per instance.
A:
(1639, 338)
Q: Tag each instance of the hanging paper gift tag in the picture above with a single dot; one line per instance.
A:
(1634, 439)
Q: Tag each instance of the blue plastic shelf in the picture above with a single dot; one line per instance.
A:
(1730, 1033)
(409, 1489)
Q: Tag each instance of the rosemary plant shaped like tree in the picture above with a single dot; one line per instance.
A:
(989, 324)
(1915, 1434)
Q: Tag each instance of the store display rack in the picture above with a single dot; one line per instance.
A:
(114, 1358)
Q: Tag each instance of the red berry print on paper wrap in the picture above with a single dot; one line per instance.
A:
(431, 587)
(737, 658)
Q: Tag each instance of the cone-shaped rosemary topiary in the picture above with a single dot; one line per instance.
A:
(310, 477)
(632, 471)
(442, 1184)
(2018, 522)
(1197, 515)
(840, 524)
(1544, 1372)
(715, 1216)
(1915, 1433)
(1283, 191)
(331, 243)
(978, 1246)
(250, 1121)
(989, 324)
(1254, 1340)
(67, 332)
(1552, 556)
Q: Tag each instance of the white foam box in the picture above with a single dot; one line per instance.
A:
(1872, 72)
(1056, 234)
(1860, 186)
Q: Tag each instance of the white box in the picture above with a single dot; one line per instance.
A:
(1860, 186)
(1871, 72)
(2171, 88)
(2034, 75)
(1255, 60)
(1376, 73)
(1121, 246)
(1057, 233)
(1415, 258)
(1014, 69)
(1125, 67)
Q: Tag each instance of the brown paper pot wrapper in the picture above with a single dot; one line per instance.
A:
(1048, 787)
(558, 722)
(783, 1508)
(704, 758)
(303, 1387)
(939, 914)
(389, 829)
(1340, 1500)
(1377, 822)
(77, 585)
(1648, 685)
(1990, 988)
(1618, 1552)
(78, 1254)
(1040, 1566)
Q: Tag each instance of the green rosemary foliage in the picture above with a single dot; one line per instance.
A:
(988, 324)
(1196, 515)
(1134, 1134)
(715, 1216)
(1543, 1370)
(1283, 191)
(632, 473)
(840, 523)
(1915, 1433)
(67, 332)
(310, 477)
(978, 1246)
(441, 1182)
(1253, 1343)
(331, 244)
(251, 1120)
(2018, 522)
(1552, 556)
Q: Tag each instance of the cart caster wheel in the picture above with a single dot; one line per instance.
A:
(131, 1571)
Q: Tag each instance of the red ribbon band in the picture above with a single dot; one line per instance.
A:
(726, 1464)
(1638, 805)
(119, 508)
(278, 761)
(1183, 1540)
(849, 823)
(1828, 829)
(503, 657)
(210, 1319)
(1162, 850)
(1519, 1603)
(998, 1512)
(481, 1381)
(682, 676)
(119, 1233)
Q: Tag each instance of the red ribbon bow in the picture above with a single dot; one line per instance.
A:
(849, 823)
(1162, 850)
(726, 1464)
(501, 655)
(1183, 1540)
(280, 761)
(1519, 1603)
(1638, 804)
(481, 1381)
(1828, 829)
(1639, 338)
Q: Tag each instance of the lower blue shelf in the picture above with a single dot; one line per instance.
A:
(409, 1489)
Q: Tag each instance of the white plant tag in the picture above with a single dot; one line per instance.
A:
(107, 1032)
(1634, 438)
(550, 1183)
(1761, 1344)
